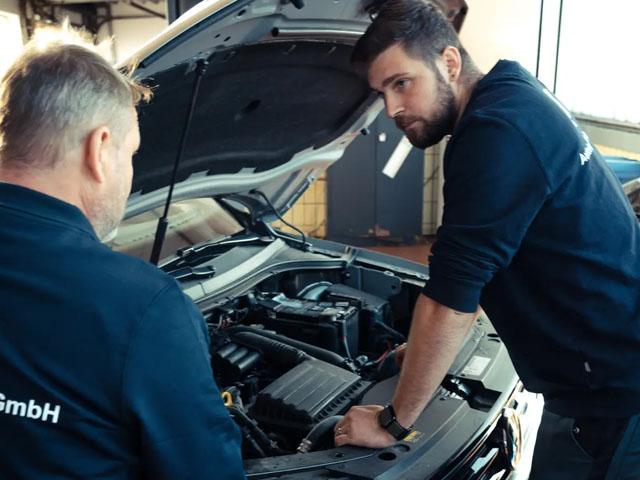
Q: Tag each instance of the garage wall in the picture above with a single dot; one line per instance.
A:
(504, 29)
(10, 6)
(309, 213)
(432, 188)
(10, 33)
(129, 34)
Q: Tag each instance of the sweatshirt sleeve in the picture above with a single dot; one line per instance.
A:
(171, 399)
(494, 188)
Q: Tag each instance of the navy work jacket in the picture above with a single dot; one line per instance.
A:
(537, 230)
(104, 363)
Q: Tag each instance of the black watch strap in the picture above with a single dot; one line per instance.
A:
(387, 420)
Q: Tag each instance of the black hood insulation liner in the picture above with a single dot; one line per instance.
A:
(257, 107)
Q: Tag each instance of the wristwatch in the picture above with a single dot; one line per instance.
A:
(387, 420)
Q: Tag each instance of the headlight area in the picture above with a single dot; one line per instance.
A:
(505, 449)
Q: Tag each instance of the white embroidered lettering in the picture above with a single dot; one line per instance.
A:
(48, 411)
(31, 410)
(34, 411)
(19, 409)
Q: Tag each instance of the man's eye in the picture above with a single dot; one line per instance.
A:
(400, 84)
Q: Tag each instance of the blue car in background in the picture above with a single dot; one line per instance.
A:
(626, 169)
(628, 172)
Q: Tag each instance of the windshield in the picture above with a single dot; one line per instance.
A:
(190, 222)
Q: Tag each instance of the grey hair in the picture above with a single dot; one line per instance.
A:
(54, 95)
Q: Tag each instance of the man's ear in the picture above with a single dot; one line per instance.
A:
(95, 153)
(453, 63)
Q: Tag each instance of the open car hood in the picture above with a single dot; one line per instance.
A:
(277, 104)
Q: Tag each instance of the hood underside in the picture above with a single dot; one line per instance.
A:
(278, 104)
(273, 110)
(258, 106)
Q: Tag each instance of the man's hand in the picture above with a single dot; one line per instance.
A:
(400, 351)
(360, 427)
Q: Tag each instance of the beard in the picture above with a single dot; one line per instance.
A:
(107, 212)
(426, 132)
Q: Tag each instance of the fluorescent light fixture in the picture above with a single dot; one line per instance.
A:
(397, 158)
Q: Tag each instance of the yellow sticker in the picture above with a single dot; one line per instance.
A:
(413, 437)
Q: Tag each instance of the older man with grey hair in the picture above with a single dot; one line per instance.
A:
(104, 363)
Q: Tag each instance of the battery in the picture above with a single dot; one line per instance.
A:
(330, 325)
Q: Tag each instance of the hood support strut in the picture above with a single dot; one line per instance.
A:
(163, 222)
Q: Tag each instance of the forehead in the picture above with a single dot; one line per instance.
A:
(392, 62)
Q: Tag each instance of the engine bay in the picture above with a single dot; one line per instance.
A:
(295, 352)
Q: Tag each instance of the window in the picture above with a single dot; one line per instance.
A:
(598, 69)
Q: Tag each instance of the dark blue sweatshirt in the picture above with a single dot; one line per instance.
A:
(538, 231)
(104, 363)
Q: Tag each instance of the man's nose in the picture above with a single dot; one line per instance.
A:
(392, 106)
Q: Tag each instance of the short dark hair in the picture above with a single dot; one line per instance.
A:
(417, 25)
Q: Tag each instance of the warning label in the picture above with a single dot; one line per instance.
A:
(476, 366)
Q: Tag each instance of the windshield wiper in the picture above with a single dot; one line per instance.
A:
(161, 231)
(188, 273)
(204, 251)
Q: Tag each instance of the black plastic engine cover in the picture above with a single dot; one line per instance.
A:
(231, 362)
(307, 394)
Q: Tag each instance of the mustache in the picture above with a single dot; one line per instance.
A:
(402, 122)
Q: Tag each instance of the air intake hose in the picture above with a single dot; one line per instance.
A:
(273, 351)
(316, 352)
(320, 436)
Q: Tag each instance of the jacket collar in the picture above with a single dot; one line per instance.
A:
(32, 202)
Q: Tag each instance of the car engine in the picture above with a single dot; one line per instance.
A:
(291, 357)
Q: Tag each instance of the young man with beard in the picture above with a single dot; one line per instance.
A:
(536, 230)
(104, 363)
